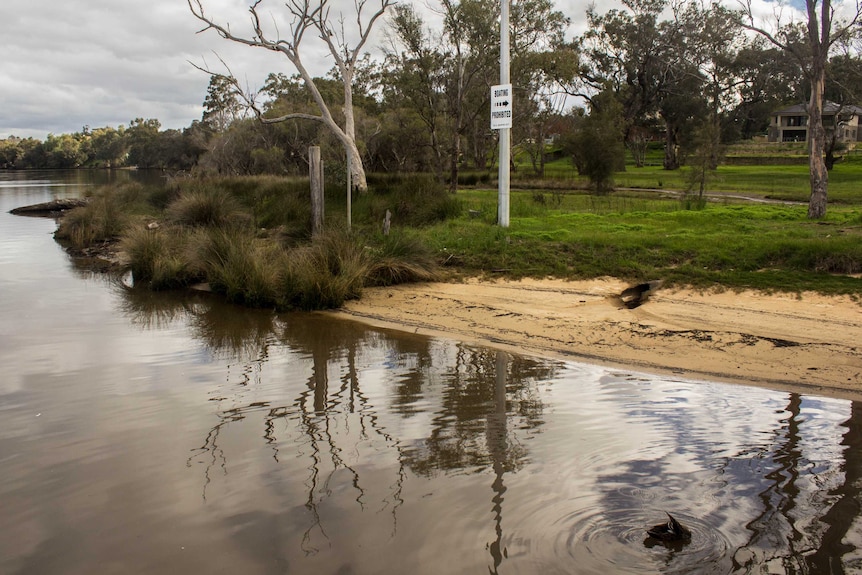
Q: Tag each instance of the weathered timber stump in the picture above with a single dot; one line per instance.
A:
(50, 209)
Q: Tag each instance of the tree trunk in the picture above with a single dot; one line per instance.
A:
(357, 169)
(315, 176)
(671, 149)
(816, 140)
(453, 166)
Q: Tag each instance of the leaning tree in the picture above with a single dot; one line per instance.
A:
(309, 17)
(812, 56)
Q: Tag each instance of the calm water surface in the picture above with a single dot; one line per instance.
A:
(170, 433)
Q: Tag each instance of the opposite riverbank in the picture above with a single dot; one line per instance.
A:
(810, 343)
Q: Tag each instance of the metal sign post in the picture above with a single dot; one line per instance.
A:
(503, 113)
(501, 107)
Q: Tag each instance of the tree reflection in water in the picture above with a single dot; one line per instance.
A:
(356, 411)
(327, 428)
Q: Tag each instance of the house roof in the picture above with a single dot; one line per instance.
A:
(829, 108)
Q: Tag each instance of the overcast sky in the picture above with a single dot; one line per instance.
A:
(69, 63)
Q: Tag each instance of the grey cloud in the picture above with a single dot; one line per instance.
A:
(70, 63)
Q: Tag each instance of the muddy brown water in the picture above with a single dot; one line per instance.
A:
(171, 433)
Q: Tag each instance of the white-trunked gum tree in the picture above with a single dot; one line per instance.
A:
(309, 18)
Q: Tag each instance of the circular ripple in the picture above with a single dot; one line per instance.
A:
(599, 541)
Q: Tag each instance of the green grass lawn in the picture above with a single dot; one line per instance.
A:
(782, 182)
(642, 237)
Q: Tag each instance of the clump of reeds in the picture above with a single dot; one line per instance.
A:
(204, 205)
(401, 259)
(159, 257)
(240, 266)
(102, 219)
(326, 273)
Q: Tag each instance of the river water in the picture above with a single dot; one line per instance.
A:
(171, 433)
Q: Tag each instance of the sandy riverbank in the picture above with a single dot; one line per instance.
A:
(809, 343)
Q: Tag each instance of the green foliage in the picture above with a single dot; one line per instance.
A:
(200, 240)
(597, 148)
(240, 266)
(631, 235)
(732, 245)
(401, 258)
(414, 199)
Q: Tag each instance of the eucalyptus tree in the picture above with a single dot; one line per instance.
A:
(542, 62)
(414, 81)
(446, 73)
(622, 52)
(222, 105)
(713, 42)
(823, 33)
(10, 151)
(470, 28)
(843, 90)
(310, 17)
(64, 151)
(285, 95)
(107, 146)
(143, 139)
(769, 79)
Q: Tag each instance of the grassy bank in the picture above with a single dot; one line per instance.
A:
(639, 237)
(249, 238)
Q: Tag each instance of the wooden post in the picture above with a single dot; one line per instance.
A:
(315, 176)
(387, 222)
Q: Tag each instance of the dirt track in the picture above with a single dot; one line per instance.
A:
(809, 343)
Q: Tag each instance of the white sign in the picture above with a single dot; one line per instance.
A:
(501, 107)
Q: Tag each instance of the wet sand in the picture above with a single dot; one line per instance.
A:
(809, 343)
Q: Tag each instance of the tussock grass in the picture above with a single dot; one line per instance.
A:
(325, 274)
(103, 219)
(250, 239)
(158, 257)
(206, 206)
(238, 265)
(399, 259)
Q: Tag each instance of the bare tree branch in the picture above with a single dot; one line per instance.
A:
(314, 16)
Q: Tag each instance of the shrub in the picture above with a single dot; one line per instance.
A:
(415, 200)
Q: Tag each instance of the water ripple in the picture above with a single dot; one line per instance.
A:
(597, 540)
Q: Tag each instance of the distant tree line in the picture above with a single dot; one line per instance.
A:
(142, 144)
